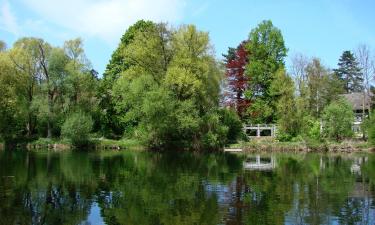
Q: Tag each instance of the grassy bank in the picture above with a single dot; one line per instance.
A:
(93, 144)
(267, 145)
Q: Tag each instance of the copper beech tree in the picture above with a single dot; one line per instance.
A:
(235, 63)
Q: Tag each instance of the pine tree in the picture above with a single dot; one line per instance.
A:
(350, 72)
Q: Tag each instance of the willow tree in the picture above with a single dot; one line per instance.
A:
(169, 95)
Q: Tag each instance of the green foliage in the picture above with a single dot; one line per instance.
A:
(282, 90)
(322, 87)
(338, 120)
(11, 113)
(51, 82)
(311, 128)
(77, 128)
(267, 51)
(110, 119)
(166, 95)
(3, 46)
(118, 63)
(231, 120)
(368, 126)
(371, 134)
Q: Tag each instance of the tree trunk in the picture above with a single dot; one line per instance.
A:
(30, 125)
(363, 113)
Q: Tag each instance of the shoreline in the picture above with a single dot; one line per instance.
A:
(301, 147)
(257, 146)
(63, 145)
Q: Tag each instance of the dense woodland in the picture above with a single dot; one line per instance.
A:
(164, 87)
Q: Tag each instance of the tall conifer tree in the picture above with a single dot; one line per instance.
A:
(349, 72)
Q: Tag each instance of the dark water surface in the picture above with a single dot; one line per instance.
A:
(185, 188)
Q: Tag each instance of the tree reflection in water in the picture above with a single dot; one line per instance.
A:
(184, 188)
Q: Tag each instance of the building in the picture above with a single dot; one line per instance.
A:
(361, 103)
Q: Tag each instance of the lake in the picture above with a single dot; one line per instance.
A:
(185, 188)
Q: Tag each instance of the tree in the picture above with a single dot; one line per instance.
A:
(282, 89)
(350, 72)
(322, 87)
(51, 83)
(267, 52)
(11, 113)
(168, 97)
(3, 46)
(110, 122)
(367, 64)
(298, 71)
(338, 119)
(235, 63)
(81, 84)
(118, 61)
(24, 56)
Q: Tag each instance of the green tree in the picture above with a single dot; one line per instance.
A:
(81, 83)
(282, 90)
(109, 119)
(266, 51)
(368, 126)
(169, 95)
(77, 128)
(50, 83)
(338, 119)
(3, 46)
(350, 73)
(322, 87)
(11, 113)
(24, 55)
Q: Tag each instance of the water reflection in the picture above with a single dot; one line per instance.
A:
(260, 163)
(185, 188)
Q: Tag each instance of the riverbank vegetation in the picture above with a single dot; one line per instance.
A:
(164, 88)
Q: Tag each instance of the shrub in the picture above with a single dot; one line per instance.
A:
(311, 128)
(77, 127)
(338, 120)
(371, 134)
(369, 127)
(283, 136)
(214, 133)
(231, 120)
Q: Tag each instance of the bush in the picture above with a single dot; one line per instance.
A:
(338, 120)
(369, 127)
(231, 120)
(214, 133)
(371, 134)
(283, 136)
(311, 128)
(77, 128)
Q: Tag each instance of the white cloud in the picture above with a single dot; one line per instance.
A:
(105, 19)
(8, 21)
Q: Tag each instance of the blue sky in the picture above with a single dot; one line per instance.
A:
(316, 28)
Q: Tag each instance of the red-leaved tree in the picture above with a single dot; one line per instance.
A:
(237, 81)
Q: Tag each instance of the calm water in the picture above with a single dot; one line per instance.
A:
(153, 188)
